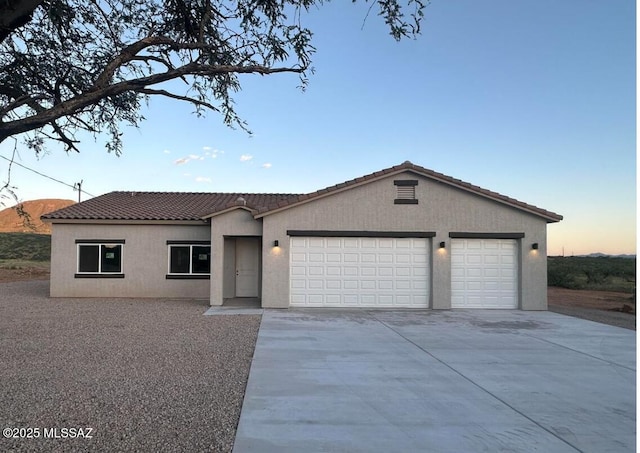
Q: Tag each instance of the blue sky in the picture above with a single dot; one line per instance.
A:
(532, 99)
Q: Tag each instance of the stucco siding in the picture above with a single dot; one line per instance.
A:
(441, 208)
(144, 262)
(236, 223)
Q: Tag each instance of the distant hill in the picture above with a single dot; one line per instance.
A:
(12, 222)
(604, 255)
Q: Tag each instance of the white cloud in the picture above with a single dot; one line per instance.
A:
(190, 157)
(202, 179)
(166, 151)
(266, 165)
(206, 148)
(246, 158)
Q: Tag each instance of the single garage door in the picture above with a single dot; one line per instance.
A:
(484, 273)
(359, 272)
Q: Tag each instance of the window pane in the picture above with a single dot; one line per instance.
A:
(179, 260)
(88, 256)
(111, 258)
(201, 258)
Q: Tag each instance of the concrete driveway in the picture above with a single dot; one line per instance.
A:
(451, 381)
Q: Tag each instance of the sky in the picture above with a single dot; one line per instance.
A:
(532, 99)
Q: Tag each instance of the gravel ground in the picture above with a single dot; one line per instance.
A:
(144, 374)
(599, 306)
(612, 318)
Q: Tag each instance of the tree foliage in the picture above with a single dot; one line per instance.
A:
(68, 66)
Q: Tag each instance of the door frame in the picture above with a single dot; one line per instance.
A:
(230, 264)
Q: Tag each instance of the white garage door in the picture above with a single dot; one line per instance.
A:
(359, 272)
(484, 273)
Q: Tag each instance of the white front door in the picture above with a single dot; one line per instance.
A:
(247, 267)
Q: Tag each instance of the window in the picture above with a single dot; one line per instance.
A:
(189, 260)
(97, 258)
(405, 191)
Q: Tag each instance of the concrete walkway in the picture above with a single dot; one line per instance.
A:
(451, 381)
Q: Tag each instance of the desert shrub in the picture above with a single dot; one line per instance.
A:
(596, 273)
(25, 246)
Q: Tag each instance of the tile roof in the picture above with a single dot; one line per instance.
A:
(161, 205)
(175, 206)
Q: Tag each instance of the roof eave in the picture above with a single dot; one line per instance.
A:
(193, 222)
(252, 211)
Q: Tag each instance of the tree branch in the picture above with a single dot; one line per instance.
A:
(178, 97)
(77, 103)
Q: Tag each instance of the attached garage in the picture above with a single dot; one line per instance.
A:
(359, 271)
(484, 273)
(401, 237)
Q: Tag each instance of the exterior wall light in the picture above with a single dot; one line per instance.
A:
(442, 245)
(276, 243)
(534, 246)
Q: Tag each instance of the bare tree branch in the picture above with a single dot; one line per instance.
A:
(179, 98)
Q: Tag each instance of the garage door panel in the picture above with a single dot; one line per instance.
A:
(350, 271)
(333, 284)
(367, 258)
(473, 259)
(351, 257)
(421, 285)
(404, 285)
(298, 257)
(334, 270)
(333, 258)
(315, 284)
(385, 258)
(484, 273)
(363, 272)
(491, 260)
(368, 284)
(351, 243)
(298, 242)
(368, 271)
(313, 242)
(403, 258)
(385, 271)
(316, 270)
(298, 284)
(420, 272)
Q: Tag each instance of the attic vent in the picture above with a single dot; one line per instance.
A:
(241, 201)
(406, 191)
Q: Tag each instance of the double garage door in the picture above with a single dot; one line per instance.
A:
(395, 272)
(359, 272)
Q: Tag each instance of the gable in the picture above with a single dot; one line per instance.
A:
(374, 207)
(404, 179)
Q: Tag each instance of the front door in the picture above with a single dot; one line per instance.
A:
(247, 267)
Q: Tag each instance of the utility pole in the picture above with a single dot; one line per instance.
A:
(79, 188)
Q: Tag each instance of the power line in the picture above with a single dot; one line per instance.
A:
(74, 187)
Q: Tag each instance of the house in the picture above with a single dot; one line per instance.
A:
(405, 236)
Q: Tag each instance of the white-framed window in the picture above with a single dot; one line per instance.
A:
(189, 259)
(97, 258)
